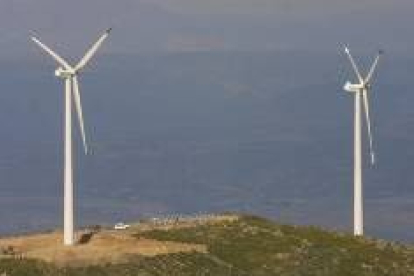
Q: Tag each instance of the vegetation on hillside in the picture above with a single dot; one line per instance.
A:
(260, 247)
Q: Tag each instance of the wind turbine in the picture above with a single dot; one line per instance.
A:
(361, 91)
(70, 76)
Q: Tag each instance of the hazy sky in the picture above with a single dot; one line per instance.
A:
(188, 25)
(270, 6)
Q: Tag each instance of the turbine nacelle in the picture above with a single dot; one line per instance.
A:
(354, 88)
(64, 73)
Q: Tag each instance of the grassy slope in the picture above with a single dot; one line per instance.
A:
(252, 246)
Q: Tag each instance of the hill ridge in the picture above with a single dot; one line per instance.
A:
(235, 245)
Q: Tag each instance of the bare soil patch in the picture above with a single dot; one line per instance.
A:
(104, 246)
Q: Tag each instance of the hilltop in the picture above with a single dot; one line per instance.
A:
(215, 245)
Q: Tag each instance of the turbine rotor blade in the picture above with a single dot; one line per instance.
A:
(78, 105)
(373, 67)
(59, 59)
(368, 122)
(354, 66)
(89, 54)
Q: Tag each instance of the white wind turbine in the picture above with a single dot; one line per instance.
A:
(70, 75)
(361, 91)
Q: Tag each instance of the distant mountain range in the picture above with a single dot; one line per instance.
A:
(262, 132)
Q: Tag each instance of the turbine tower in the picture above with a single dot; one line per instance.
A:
(70, 76)
(361, 91)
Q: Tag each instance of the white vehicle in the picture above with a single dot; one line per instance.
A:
(121, 226)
